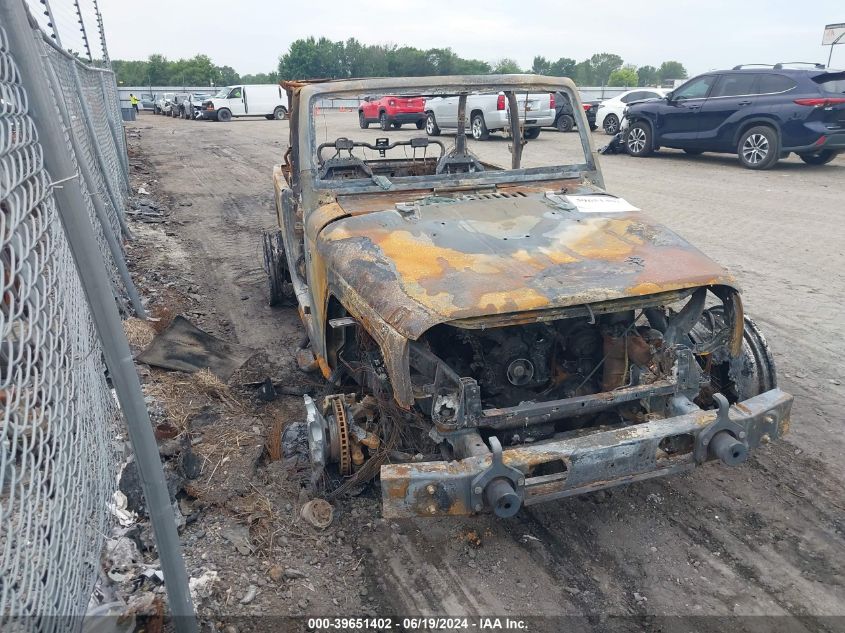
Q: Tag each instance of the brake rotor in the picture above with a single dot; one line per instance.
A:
(339, 433)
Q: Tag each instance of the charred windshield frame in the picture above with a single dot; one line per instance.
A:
(307, 128)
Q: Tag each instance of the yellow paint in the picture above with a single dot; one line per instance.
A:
(649, 287)
(557, 256)
(518, 299)
(417, 258)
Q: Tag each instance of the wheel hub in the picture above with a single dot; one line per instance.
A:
(636, 140)
(328, 435)
(339, 434)
(476, 128)
(755, 148)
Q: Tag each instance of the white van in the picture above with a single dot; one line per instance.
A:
(267, 100)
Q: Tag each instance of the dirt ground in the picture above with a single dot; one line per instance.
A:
(766, 538)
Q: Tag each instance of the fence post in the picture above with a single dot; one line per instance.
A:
(99, 207)
(116, 130)
(95, 282)
(116, 198)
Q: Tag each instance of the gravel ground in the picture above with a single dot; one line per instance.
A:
(765, 538)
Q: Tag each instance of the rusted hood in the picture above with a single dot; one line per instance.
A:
(472, 258)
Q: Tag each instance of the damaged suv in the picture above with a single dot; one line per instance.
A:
(496, 329)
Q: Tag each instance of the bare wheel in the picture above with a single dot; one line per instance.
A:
(758, 148)
(276, 266)
(611, 124)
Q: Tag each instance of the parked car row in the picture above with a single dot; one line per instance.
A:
(267, 100)
(485, 113)
(179, 105)
(761, 114)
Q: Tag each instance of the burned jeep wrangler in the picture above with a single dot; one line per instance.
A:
(496, 335)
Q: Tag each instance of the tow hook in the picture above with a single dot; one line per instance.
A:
(723, 439)
(727, 448)
(501, 487)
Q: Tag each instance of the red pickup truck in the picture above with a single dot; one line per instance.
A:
(392, 111)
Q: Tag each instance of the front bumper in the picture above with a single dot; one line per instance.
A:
(579, 462)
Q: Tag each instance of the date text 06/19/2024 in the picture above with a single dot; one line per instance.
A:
(421, 623)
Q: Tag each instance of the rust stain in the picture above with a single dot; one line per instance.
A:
(516, 300)
(473, 258)
(324, 367)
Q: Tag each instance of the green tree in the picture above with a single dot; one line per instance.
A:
(407, 61)
(563, 67)
(130, 72)
(472, 67)
(158, 70)
(442, 60)
(259, 78)
(602, 65)
(229, 75)
(196, 71)
(671, 70)
(584, 74)
(506, 66)
(313, 59)
(625, 76)
(541, 66)
(647, 76)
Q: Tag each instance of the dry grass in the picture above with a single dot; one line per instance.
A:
(138, 332)
(177, 397)
(183, 395)
(211, 386)
(220, 445)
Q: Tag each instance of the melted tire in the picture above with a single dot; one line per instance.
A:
(752, 373)
(276, 267)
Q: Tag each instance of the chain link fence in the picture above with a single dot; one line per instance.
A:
(58, 461)
(56, 466)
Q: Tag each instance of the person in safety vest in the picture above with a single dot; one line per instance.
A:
(134, 101)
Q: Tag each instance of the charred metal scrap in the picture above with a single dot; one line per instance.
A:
(536, 350)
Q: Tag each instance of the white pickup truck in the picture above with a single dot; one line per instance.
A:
(487, 113)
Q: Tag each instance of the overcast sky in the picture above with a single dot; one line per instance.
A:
(249, 35)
